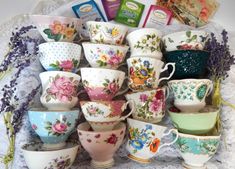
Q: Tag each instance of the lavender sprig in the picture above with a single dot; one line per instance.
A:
(220, 59)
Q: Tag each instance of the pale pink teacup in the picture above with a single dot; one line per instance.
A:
(102, 84)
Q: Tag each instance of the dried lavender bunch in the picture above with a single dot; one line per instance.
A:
(21, 47)
(220, 59)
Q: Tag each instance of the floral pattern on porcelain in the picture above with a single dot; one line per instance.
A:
(188, 90)
(58, 128)
(142, 74)
(94, 111)
(197, 146)
(62, 89)
(59, 31)
(108, 57)
(151, 105)
(112, 139)
(138, 139)
(149, 42)
(66, 65)
(192, 41)
(59, 163)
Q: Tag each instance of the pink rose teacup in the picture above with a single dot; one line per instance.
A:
(59, 90)
(101, 145)
(102, 84)
(53, 127)
(105, 115)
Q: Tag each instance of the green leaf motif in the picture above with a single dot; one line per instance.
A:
(57, 37)
(48, 32)
(201, 91)
(188, 34)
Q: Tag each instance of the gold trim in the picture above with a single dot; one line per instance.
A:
(140, 160)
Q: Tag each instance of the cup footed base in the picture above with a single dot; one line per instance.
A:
(53, 146)
(103, 164)
(139, 160)
(188, 166)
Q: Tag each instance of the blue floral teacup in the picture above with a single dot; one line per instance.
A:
(196, 150)
(144, 140)
(53, 127)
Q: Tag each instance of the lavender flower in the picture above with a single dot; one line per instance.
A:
(220, 59)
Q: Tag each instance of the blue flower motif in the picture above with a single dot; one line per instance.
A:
(146, 64)
(137, 144)
(148, 127)
(143, 138)
(143, 72)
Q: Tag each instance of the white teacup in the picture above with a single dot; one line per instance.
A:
(59, 90)
(144, 140)
(102, 84)
(149, 105)
(144, 72)
(190, 94)
(145, 42)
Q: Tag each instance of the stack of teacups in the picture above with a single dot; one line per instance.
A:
(60, 83)
(103, 132)
(193, 119)
(144, 68)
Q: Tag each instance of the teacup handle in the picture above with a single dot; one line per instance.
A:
(167, 92)
(210, 89)
(124, 90)
(164, 69)
(132, 109)
(166, 134)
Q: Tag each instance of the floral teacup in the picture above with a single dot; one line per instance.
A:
(102, 84)
(196, 150)
(105, 115)
(144, 72)
(57, 28)
(149, 105)
(104, 56)
(59, 90)
(144, 140)
(190, 94)
(106, 32)
(145, 42)
(53, 127)
(101, 145)
(62, 56)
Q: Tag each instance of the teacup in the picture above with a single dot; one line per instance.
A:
(105, 115)
(144, 140)
(102, 84)
(53, 127)
(149, 105)
(144, 72)
(196, 150)
(103, 55)
(191, 39)
(36, 157)
(57, 28)
(63, 56)
(59, 90)
(190, 94)
(106, 32)
(145, 42)
(101, 145)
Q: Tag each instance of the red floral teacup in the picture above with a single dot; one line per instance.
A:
(101, 145)
(105, 115)
(149, 105)
(59, 90)
(102, 84)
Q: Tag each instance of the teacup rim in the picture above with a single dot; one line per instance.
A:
(100, 101)
(144, 57)
(191, 79)
(60, 42)
(108, 45)
(74, 145)
(121, 126)
(186, 50)
(54, 16)
(103, 69)
(183, 32)
(148, 90)
(180, 134)
(59, 72)
(142, 29)
(217, 110)
(146, 123)
(44, 110)
(108, 23)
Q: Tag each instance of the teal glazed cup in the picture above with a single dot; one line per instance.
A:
(188, 63)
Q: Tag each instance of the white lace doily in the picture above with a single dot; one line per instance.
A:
(168, 158)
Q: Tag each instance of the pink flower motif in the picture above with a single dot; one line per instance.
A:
(143, 97)
(66, 65)
(62, 88)
(59, 128)
(155, 105)
(115, 60)
(57, 28)
(113, 87)
(34, 126)
(112, 139)
(92, 110)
